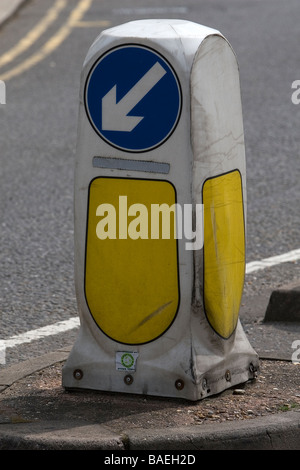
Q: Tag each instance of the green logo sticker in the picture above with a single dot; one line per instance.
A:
(126, 360)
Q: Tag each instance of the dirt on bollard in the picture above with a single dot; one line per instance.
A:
(40, 396)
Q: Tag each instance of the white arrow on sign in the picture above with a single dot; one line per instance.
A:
(114, 115)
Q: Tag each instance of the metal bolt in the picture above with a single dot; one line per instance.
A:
(228, 375)
(128, 379)
(78, 374)
(204, 384)
(253, 370)
(179, 384)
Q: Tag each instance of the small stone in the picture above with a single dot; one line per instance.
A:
(238, 391)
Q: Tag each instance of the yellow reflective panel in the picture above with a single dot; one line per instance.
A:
(224, 251)
(131, 273)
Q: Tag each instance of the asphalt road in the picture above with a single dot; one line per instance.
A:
(42, 49)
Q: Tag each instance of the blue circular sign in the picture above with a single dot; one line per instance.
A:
(133, 98)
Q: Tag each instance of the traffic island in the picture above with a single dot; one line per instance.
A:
(38, 413)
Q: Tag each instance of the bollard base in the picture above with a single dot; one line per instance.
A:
(187, 371)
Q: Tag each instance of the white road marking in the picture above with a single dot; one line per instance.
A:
(74, 322)
(39, 333)
(272, 261)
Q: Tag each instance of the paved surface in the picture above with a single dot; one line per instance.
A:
(276, 431)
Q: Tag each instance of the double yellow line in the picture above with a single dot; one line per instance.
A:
(74, 20)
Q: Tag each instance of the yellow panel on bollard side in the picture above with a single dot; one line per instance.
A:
(224, 251)
(131, 275)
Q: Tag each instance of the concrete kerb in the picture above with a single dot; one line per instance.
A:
(284, 304)
(55, 435)
(21, 370)
(276, 432)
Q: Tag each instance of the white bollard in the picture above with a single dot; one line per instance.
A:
(160, 208)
